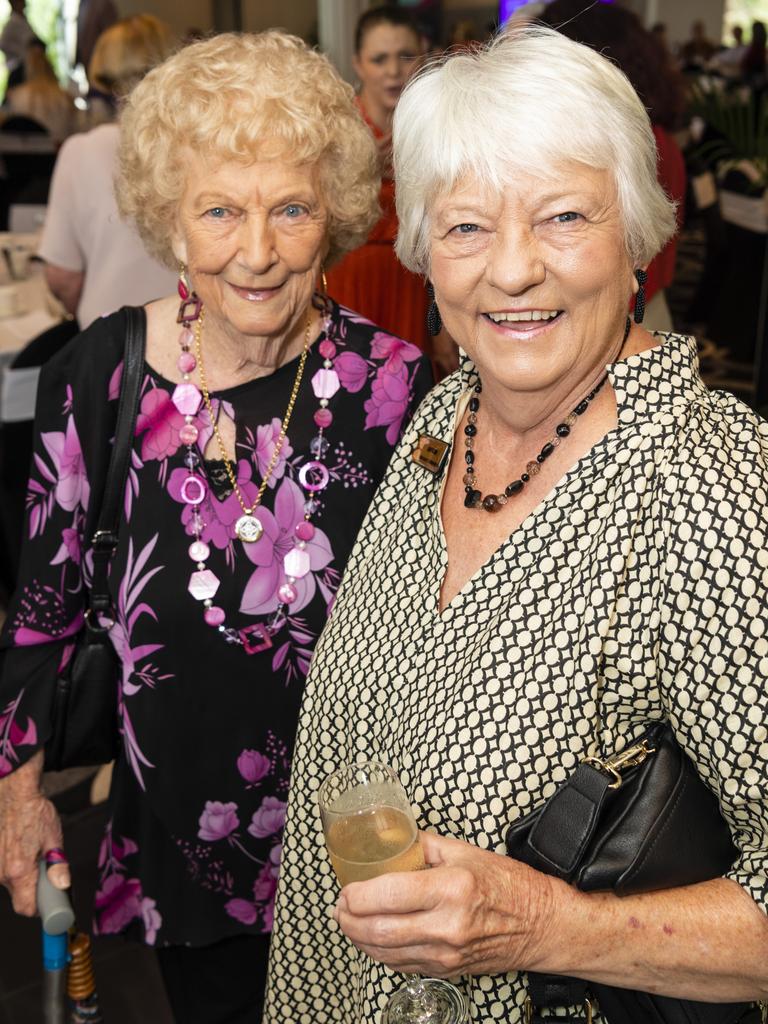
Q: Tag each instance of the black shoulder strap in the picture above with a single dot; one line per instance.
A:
(104, 539)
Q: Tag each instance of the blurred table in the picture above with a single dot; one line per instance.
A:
(34, 310)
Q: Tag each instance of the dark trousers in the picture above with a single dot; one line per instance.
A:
(219, 984)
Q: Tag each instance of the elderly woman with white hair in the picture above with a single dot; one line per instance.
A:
(266, 418)
(588, 556)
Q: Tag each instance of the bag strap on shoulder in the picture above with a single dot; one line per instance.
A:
(104, 541)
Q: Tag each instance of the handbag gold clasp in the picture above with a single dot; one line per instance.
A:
(528, 1011)
(629, 758)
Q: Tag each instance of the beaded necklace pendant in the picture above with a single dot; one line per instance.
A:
(313, 478)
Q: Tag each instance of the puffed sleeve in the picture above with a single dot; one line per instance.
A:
(713, 654)
(73, 428)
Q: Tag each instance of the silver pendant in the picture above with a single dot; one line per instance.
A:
(248, 528)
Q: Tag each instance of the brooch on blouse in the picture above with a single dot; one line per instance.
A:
(430, 453)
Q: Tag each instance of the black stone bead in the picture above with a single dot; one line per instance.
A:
(581, 407)
(470, 430)
(562, 430)
(514, 488)
(525, 477)
(469, 457)
(546, 451)
(472, 497)
(474, 404)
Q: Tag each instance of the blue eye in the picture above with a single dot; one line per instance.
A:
(293, 210)
(566, 218)
(466, 229)
(217, 212)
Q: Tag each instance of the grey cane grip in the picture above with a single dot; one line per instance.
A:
(53, 905)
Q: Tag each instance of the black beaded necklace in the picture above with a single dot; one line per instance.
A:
(495, 502)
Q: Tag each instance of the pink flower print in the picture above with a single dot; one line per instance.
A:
(266, 440)
(260, 594)
(253, 766)
(72, 488)
(242, 910)
(152, 920)
(265, 886)
(118, 902)
(352, 370)
(70, 547)
(268, 819)
(388, 403)
(217, 821)
(160, 422)
(218, 517)
(396, 351)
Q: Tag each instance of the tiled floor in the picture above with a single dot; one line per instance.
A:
(128, 981)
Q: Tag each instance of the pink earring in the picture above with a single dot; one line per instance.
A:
(190, 307)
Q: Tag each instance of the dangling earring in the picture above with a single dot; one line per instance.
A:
(190, 307)
(324, 280)
(641, 277)
(434, 320)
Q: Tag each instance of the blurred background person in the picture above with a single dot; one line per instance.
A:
(371, 280)
(618, 34)
(730, 58)
(698, 50)
(121, 57)
(753, 62)
(16, 36)
(95, 262)
(659, 32)
(40, 96)
(93, 18)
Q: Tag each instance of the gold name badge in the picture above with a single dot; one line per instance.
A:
(430, 453)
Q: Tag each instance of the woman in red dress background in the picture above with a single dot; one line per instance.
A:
(371, 280)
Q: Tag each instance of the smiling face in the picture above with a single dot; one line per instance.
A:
(534, 282)
(253, 238)
(384, 63)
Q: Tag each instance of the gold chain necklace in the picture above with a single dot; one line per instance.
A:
(248, 527)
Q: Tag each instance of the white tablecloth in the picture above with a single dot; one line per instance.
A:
(36, 311)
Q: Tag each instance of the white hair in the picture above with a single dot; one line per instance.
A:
(528, 101)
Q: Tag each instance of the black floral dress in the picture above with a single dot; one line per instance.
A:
(192, 848)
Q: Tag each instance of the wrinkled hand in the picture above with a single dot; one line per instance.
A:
(29, 827)
(474, 912)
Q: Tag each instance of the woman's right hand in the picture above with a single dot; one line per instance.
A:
(29, 828)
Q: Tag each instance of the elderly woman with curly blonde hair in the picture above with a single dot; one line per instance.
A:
(265, 424)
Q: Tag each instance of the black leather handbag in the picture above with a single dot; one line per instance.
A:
(84, 722)
(637, 822)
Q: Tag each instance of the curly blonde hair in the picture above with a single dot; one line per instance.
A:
(242, 98)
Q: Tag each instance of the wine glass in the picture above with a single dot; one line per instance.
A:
(370, 830)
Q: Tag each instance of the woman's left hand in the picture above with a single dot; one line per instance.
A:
(474, 912)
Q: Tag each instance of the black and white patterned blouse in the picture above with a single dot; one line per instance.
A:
(637, 589)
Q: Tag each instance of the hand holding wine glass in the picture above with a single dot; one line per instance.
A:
(370, 831)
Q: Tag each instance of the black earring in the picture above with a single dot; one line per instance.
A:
(434, 320)
(642, 277)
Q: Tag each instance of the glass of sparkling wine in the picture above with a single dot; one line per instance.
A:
(370, 830)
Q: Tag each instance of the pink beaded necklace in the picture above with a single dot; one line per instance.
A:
(313, 477)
